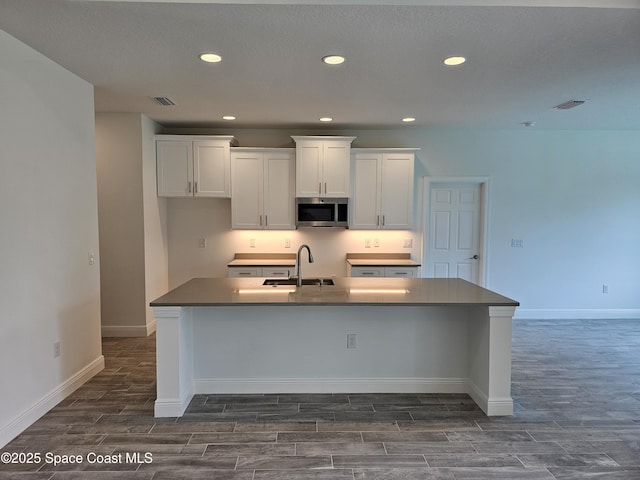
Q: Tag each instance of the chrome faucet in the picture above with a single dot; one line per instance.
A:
(298, 262)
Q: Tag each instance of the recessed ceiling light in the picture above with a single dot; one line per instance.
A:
(453, 61)
(326, 119)
(333, 59)
(228, 117)
(408, 119)
(210, 57)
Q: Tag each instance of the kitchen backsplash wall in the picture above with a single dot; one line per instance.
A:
(191, 220)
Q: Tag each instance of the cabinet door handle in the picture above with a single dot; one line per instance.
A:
(189, 187)
(325, 188)
(320, 188)
(244, 273)
(367, 273)
(195, 187)
(260, 220)
(383, 220)
(266, 220)
(378, 221)
(401, 273)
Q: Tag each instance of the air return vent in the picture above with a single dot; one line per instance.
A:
(166, 101)
(569, 104)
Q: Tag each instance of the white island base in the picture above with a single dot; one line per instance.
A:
(303, 349)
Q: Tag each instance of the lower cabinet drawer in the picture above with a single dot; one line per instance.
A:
(277, 272)
(406, 272)
(367, 271)
(244, 271)
(401, 272)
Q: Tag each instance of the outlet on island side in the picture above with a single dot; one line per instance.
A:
(605, 288)
(351, 340)
(56, 349)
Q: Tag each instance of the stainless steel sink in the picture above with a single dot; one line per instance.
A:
(274, 282)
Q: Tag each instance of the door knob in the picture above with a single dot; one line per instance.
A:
(475, 257)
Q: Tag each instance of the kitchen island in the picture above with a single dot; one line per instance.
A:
(360, 335)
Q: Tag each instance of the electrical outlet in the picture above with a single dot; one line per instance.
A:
(91, 257)
(351, 340)
(287, 243)
(376, 242)
(407, 243)
(252, 243)
(367, 243)
(605, 288)
(202, 243)
(56, 349)
(517, 243)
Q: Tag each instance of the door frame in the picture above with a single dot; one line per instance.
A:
(484, 183)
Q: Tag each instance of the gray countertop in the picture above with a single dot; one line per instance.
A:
(391, 262)
(346, 291)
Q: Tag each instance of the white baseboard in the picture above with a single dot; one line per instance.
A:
(128, 331)
(171, 407)
(576, 314)
(493, 406)
(16, 426)
(330, 385)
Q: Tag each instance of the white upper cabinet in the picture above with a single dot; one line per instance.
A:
(323, 166)
(193, 166)
(263, 189)
(382, 189)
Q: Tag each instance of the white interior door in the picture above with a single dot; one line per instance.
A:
(454, 231)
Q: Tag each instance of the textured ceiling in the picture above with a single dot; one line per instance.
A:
(522, 61)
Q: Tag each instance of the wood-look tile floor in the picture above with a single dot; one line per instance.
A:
(576, 385)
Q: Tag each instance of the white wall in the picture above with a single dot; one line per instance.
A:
(571, 196)
(156, 253)
(48, 215)
(132, 224)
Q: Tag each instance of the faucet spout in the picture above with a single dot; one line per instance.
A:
(298, 262)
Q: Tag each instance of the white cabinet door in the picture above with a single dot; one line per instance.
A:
(335, 169)
(211, 169)
(309, 157)
(365, 191)
(246, 200)
(279, 191)
(397, 191)
(263, 190)
(174, 168)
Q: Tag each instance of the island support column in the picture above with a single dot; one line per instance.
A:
(174, 355)
(490, 359)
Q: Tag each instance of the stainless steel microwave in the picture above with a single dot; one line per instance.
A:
(322, 212)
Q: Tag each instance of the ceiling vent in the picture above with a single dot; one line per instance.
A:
(166, 101)
(569, 104)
